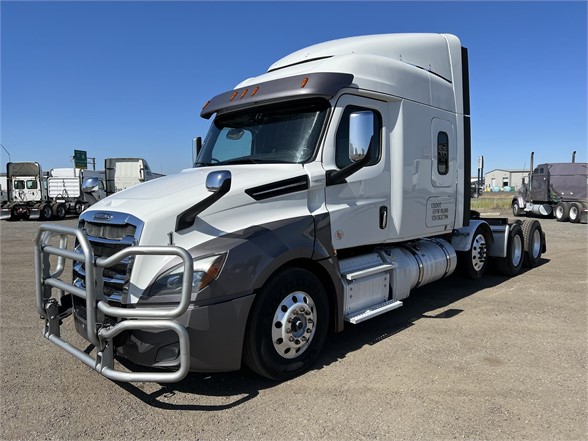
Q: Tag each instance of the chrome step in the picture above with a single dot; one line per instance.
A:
(369, 271)
(373, 311)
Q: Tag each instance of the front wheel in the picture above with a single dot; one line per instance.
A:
(516, 208)
(288, 325)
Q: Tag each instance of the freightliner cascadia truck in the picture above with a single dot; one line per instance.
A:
(325, 191)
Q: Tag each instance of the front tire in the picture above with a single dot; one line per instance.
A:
(516, 209)
(288, 325)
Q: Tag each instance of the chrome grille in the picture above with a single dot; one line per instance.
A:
(107, 231)
(109, 234)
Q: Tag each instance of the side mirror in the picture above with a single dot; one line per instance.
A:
(219, 184)
(196, 147)
(219, 181)
(360, 150)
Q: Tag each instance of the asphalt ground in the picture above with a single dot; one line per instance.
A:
(496, 359)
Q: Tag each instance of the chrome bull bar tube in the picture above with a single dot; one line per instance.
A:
(135, 318)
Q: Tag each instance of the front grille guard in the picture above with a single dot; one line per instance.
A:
(135, 318)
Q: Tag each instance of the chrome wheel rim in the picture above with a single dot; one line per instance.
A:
(294, 325)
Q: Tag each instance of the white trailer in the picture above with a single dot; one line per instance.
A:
(3, 190)
(123, 173)
(326, 190)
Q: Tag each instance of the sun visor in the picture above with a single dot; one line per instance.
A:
(321, 84)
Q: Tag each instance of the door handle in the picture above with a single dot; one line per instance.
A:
(383, 217)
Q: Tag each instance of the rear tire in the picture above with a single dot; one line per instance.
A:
(46, 212)
(59, 211)
(574, 213)
(287, 326)
(473, 262)
(511, 264)
(533, 242)
(79, 207)
(562, 212)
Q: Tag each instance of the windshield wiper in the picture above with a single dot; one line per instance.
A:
(240, 161)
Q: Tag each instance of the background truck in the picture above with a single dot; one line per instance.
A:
(555, 188)
(325, 191)
(27, 192)
(122, 173)
(69, 186)
(33, 194)
(3, 190)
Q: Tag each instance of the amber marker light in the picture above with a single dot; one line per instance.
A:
(255, 91)
(206, 105)
(243, 93)
(304, 81)
(235, 93)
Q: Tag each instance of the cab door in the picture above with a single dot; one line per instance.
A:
(358, 207)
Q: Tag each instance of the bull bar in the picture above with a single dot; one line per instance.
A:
(133, 318)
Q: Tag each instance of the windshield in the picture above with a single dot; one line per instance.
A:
(285, 133)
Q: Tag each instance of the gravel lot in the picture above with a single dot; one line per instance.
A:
(494, 359)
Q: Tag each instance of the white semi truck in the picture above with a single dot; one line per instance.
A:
(32, 194)
(325, 191)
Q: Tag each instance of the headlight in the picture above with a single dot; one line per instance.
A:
(205, 271)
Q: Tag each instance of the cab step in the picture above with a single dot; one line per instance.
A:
(364, 272)
(372, 311)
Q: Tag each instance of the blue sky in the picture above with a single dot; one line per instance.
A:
(129, 78)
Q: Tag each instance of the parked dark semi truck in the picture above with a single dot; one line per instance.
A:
(324, 192)
(560, 189)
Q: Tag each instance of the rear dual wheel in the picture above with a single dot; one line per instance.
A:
(474, 261)
(562, 212)
(574, 213)
(59, 211)
(534, 242)
(511, 264)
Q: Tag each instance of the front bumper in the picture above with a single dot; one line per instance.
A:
(104, 334)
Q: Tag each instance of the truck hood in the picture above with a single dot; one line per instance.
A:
(157, 203)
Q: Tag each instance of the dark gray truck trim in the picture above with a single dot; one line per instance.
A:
(217, 316)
